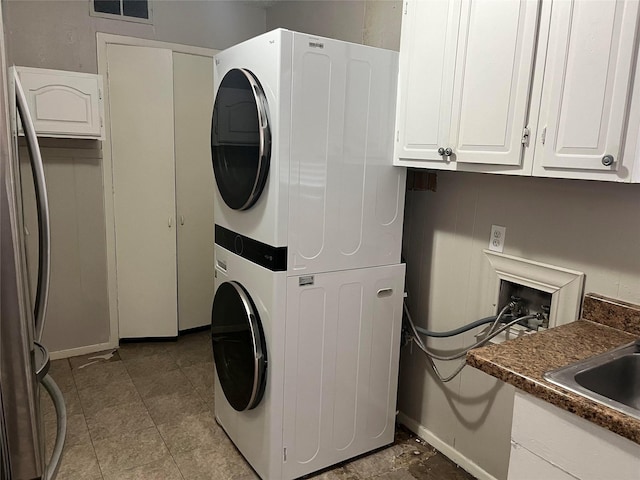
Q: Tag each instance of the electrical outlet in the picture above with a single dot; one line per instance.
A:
(496, 240)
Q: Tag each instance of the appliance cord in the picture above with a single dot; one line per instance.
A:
(492, 332)
(51, 470)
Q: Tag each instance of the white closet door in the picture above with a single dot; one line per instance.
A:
(586, 85)
(427, 62)
(494, 63)
(193, 104)
(141, 108)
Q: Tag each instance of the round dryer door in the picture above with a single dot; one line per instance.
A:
(239, 348)
(240, 139)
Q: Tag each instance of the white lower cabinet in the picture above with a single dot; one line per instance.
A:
(550, 443)
(162, 188)
(524, 465)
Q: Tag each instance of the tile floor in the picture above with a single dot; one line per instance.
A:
(147, 414)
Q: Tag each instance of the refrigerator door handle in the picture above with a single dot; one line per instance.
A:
(51, 470)
(44, 230)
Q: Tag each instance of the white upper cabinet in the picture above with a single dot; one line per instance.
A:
(586, 90)
(64, 104)
(465, 79)
(427, 62)
(494, 61)
(528, 87)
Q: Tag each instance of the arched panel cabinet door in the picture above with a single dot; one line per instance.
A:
(240, 139)
(64, 104)
(239, 348)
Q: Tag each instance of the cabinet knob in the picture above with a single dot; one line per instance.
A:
(448, 152)
(441, 151)
(607, 160)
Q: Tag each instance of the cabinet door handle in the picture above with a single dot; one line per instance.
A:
(441, 151)
(448, 152)
(607, 160)
(170, 222)
(181, 219)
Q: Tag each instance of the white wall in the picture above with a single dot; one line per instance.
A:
(60, 34)
(343, 23)
(592, 227)
(372, 22)
(78, 310)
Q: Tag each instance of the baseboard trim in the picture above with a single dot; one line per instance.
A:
(444, 448)
(74, 352)
(148, 339)
(189, 331)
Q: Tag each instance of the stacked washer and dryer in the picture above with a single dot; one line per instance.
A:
(308, 292)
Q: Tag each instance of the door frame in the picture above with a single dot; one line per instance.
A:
(104, 39)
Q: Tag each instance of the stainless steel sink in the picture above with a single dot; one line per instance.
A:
(612, 378)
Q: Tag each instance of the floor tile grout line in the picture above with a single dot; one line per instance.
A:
(164, 442)
(155, 424)
(118, 472)
(202, 397)
(195, 388)
(84, 416)
(91, 438)
(176, 464)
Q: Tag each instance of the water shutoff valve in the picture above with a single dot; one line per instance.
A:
(546, 310)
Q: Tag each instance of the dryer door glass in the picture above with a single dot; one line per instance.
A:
(240, 139)
(239, 349)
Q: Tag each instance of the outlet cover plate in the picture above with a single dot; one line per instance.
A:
(496, 240)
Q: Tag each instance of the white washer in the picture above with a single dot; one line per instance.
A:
(302, 142)
(306, 366)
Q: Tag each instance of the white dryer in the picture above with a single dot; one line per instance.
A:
(306, 366)
(302, 142)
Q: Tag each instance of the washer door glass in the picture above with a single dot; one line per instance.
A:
(240, 139)
(239, 348)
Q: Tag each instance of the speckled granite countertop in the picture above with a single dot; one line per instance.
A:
(523, 361)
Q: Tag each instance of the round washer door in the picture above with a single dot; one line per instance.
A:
(239, 348)
(240, 139)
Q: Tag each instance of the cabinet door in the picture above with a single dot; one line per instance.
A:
(63, 104)
(494, 62)
(142, 142)
(561, 444)
(524, 464)
(193, 104)
(427, 62)
(586, 88)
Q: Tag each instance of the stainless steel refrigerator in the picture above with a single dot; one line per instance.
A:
(24, 363)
